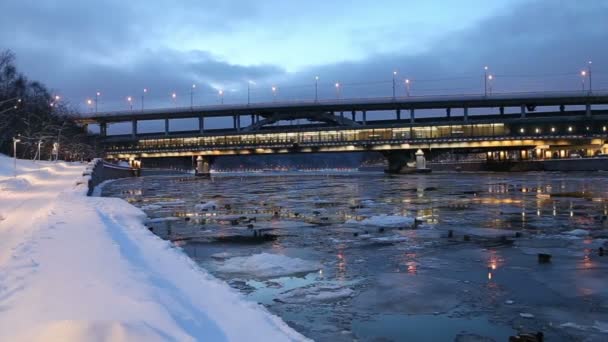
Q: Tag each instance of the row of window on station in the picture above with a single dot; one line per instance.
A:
(563, 129)
(547, 153)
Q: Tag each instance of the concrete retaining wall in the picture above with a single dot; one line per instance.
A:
(579, 164)
(102, 171)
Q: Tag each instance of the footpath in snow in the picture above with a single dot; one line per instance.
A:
(77, 268)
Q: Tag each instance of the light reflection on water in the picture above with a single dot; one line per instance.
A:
(306, 215)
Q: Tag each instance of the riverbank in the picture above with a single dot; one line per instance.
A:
(85, 268)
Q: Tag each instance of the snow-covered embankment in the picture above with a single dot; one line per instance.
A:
(85, 268)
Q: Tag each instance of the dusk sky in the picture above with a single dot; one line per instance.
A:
(120, 47)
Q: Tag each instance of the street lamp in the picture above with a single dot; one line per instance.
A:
(394, 85)
(130, 101)
(97, 95)
(485, 80)
(337, 90)
(407, 87)
(15, 141)
(274, 94)
(221, 93)
(583, 75)
(90, 104)
(316, 88)
(174, 98)
(490, 79)
(192, 95)
(143, 98)
(590, 84)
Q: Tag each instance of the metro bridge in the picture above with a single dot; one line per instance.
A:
(519, 126)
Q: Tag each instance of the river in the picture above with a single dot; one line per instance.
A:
(372, 257)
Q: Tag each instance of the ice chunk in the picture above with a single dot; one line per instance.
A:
(151, 207)
(577, 232)
(386, 221)
(526, 315)
(266, 265)
(316, 293)
(390, 239)
(211, 205)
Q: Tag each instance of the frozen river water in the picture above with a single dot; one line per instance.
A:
(367, 256)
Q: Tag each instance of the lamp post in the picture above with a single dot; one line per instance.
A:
(583, 75)
(394, 85)
(337, 90)
(485, 80)
(590, 84)
(143, 98)
(90, 103)
(490, 79)
(274, 94)
(221, 93)
(130, 101)
(174, 98)
(97, 95)
(15, 141)
(192, 95)
(407, 87)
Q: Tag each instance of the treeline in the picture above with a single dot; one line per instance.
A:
(29, 112)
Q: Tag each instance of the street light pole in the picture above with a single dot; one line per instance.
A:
(97, 94)
(590, 84)
(583, 75)
(407, 87)
(174, 97)
(485, 81)
(15, 141)
(130, 100)
(39, 143)
(192, 95)
(142, 98)
(490, 79)
(274, 94)
(221, 92)
(394, 85)
(338, 90)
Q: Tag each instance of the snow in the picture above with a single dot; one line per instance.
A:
(77, 268)
(390, 239)
(386, 221)
(266, 265)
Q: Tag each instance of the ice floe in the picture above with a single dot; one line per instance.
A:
(266, 265)
(386, 221)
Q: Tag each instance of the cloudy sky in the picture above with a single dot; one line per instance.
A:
(119, 47)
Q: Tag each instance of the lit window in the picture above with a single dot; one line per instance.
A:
(537, 130)
(521, 130)
(552, 129)
(604, 128)
(569, 128)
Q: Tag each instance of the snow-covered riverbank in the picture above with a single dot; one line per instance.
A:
(85, 268)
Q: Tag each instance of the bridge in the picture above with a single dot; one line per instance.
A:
(513, 126)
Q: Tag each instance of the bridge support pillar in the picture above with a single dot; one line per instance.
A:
(398, 114)
(103, 129)
(201, 124)
(364, 118)
(466, 114)
(412, 115)
(588, 110)
(202, 166)
(353, 115)
(523, 111)
(166, 126)
(134, 129)
(252, 119)
(448, 112)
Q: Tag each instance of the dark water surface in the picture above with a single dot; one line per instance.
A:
(294, 242)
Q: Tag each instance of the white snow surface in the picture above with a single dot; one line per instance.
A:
(266, 265)
(385, 221)
(77, 268)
